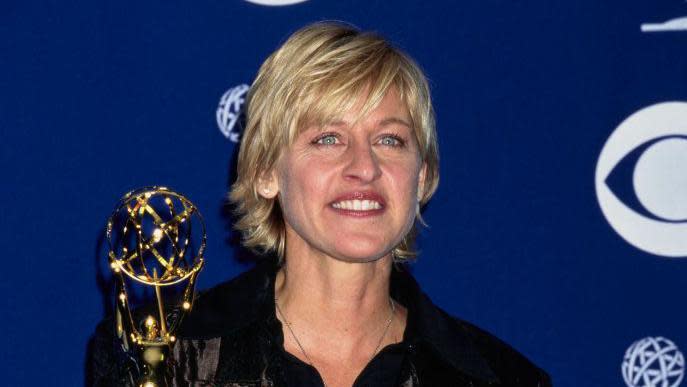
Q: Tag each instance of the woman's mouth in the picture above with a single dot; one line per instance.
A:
(359, 204)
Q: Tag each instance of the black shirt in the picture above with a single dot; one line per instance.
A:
(233, 338)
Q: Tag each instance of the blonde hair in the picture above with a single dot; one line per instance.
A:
(314, 77)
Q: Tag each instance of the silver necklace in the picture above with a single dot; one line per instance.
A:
(305, 354)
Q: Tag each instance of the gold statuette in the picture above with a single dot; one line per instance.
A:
(156, 241)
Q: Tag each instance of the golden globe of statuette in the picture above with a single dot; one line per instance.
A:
(154, 231)
(156, 240)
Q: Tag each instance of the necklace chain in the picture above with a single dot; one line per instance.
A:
(305, 354)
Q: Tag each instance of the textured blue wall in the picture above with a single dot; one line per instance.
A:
(101, 97)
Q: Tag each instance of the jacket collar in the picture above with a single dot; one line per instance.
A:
(252, 293)
(429, 324)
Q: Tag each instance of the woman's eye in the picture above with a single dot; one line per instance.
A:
(393, 141)
(328, 139)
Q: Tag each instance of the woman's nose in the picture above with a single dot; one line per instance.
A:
(362, 163)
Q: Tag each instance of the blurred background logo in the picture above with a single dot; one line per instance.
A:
(229, 112)
(653, 362)
(677, 24)
(276, 2)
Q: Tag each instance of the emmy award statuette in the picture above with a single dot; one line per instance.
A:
(156, 243)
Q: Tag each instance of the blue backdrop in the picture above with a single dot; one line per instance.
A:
(100, 97)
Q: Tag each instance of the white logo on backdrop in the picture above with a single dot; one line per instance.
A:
(276, 2)
(229, 111)
(677, 24)
(653, 362)
(659, 179)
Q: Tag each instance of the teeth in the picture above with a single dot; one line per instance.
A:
(358, 205)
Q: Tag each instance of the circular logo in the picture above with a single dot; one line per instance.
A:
(229, 111)
(276, 3)
(653, 362)
(653, 216)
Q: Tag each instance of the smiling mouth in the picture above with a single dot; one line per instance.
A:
(357, 205)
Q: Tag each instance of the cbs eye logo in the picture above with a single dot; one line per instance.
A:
(641, 179)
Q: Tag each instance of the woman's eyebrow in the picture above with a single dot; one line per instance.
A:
(336, 123)
(383, 122)
(394, 120)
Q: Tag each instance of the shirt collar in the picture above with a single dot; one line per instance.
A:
(429, 324)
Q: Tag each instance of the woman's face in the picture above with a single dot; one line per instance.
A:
(349, 190)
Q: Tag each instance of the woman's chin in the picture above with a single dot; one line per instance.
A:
(361, 252)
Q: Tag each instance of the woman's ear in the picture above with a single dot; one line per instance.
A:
(421, 181)
(268, 185)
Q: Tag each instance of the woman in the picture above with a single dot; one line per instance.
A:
(338, 156)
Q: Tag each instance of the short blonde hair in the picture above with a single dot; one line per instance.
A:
(314, 77)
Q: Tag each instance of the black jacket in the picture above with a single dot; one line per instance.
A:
(233, 338)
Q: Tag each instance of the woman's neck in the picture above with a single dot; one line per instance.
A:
(343, 298)
(336, 314)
